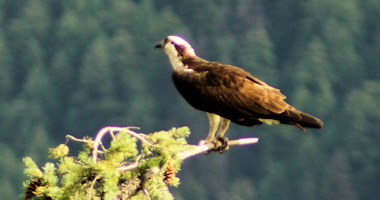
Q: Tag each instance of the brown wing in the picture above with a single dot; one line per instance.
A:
(267, 97)
(233, 93)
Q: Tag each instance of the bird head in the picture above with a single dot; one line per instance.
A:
(175, 46)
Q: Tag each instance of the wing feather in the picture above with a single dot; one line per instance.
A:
(235, 94)
(223, 87)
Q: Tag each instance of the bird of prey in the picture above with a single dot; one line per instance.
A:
(228, 93)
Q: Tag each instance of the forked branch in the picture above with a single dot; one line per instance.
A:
(197, 149)
(110, 130)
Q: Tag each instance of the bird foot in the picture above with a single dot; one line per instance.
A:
(224, 145)
(220, 144)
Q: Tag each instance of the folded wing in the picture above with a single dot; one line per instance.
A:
(235, 94)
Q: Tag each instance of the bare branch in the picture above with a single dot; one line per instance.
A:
(70, 137)
(92, 185)
(138, 136)
(131, 166)
(96, 143)
(208, 146)
(197, 150)
(111, 131)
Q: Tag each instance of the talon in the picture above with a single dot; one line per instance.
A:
(224, 141)
(224, 145)
(220, 144)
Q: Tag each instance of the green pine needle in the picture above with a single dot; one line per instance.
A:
(59, 152)
(83, 177)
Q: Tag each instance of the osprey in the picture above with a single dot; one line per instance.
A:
(228, 93)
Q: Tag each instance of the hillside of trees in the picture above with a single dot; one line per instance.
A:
(75, 66)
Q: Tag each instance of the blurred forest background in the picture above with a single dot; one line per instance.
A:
(75, 66)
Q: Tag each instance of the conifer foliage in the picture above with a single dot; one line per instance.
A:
(123, 170)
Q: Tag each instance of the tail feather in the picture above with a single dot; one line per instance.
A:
(300, 119)
(290, 116)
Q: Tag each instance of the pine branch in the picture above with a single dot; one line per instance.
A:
(111, 130)
(122, 170)
(199, 149)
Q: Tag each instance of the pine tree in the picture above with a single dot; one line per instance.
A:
(6, 70)
(119, 170)
(362, 108)
(312, 78)
(337, 183)
(11, 166)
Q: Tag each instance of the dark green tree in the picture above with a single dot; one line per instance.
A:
(6, 70)
(360, 138)
(312, 79)
(323, 55)
(337, 183)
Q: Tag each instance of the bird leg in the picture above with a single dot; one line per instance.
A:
(224, 124)
(220, 142)
(214, 125)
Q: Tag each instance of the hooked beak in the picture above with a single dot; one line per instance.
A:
(160, 44)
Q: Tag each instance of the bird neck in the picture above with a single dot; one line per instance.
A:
(174, 57)
(176, 62)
